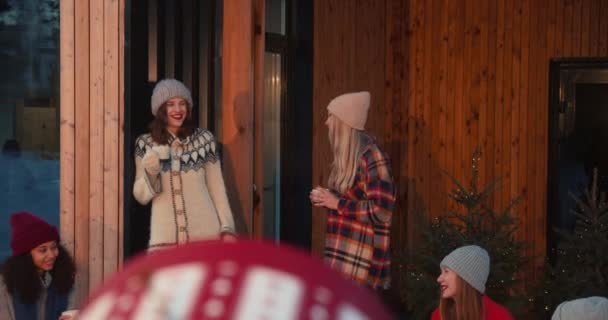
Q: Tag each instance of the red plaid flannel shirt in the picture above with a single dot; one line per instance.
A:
(357, 241)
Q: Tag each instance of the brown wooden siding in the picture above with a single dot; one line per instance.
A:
(92, 104)
(448, 76)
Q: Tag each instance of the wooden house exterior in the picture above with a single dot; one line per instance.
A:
(445, 77)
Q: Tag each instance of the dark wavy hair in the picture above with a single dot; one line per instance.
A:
(23, 281)
(158, 126)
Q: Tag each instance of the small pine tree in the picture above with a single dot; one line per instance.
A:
(580, 267)
(479, 224)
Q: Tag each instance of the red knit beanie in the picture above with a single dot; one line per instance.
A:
(29, 231)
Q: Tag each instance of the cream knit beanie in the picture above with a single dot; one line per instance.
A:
(351, 108)
(471, 263)
(167, 89)
(591, 308)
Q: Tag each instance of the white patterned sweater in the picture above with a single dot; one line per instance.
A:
(188, 197)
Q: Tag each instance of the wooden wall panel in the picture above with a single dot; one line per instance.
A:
(237, 109)
(96, 142)
(81, 162)
(92, 88)
(461, 74)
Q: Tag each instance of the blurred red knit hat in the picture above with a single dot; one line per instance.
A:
(245, 280)
(29, 231)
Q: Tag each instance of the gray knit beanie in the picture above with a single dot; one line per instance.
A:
(591, 308)
(471, 263)
(167, 89)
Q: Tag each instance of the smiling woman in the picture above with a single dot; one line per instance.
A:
(463, 277)
(178, 170)
(37, 280)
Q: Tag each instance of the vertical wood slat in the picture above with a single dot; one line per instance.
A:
(418, 107)
(522, 141)
(96, 138)
(603, 36)
(594, 27)
(501, 32)
(67, 125)
(412, 197)
(396, 132)
(470, 123)
(111, 130)
(237, 105)
(425, 107)
(576, 27)
(481, 107)
(121, 133)
(568, 28)
(81, 161)
(460, 89)
(454, 76)
(491, 102)
(445, 116)
(258, 107)
(585, 28)
(513, 114)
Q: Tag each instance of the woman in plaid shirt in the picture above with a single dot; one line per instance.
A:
(361, 196)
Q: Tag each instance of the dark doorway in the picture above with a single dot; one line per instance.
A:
(182, 40)
(165, 39)
(288, 121)
(578, 125)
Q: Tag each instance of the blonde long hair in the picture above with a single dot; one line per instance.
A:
(347, 144)
(467, 305)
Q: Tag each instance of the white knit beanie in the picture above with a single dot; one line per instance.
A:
(591, 308)
(167, 89)
(471, 263)
(351, 108)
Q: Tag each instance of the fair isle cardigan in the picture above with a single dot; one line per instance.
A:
(357, 241)
(188, 197)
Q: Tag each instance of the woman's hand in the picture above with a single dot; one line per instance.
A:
(321, 197)
(68, 314)
(151, 163)
(228, 237)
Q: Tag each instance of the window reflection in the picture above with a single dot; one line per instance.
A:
(29, 111)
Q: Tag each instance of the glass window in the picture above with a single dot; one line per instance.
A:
(275, 16)
(272, 144)
(29, 111)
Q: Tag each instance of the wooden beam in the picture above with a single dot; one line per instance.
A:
(111, 118)
(96, 138)
(81, 160)
(66, 129)
(258, 101)
(237, 107)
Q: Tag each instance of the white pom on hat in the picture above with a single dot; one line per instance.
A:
(351, 108)
(471, 263)
(167, 89)
(591, 308)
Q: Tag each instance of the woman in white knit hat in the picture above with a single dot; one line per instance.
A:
(178, 169)
(462, 283)
(361, 196)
